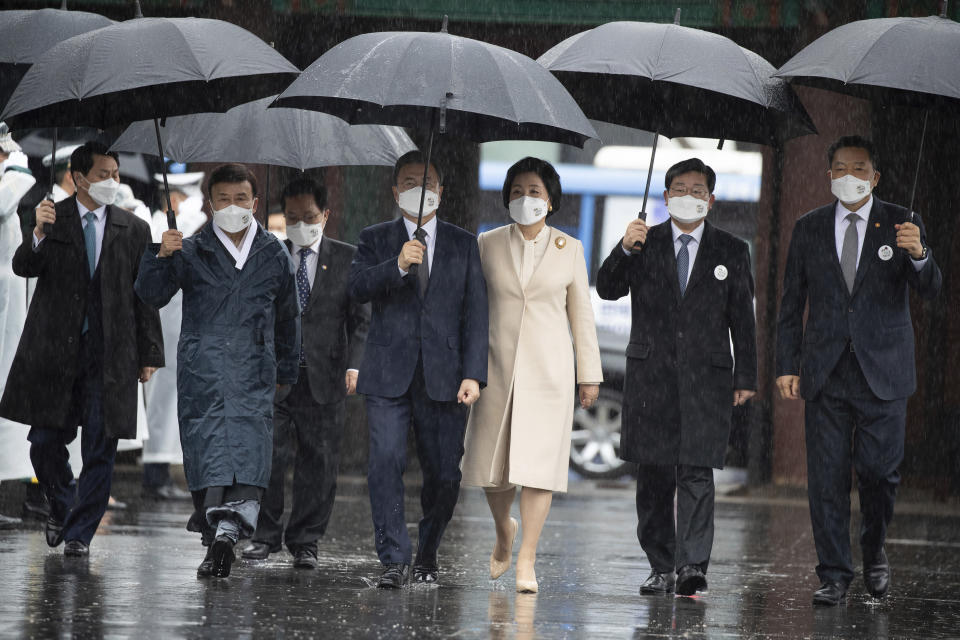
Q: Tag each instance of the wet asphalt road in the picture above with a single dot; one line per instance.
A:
(140, 580)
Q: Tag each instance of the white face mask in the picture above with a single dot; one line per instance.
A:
(103, 192)
(527, 210)
(279, 235)
(233, 219)
(850, 189)
(303, 234)
(687, 208)
(409, 201)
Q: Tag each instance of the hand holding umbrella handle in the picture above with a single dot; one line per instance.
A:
(638, 246)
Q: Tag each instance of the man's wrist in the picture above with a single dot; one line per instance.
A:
(922, 256)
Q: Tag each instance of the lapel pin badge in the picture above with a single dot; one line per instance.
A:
(561, 242)
(324, 267)
(720, 273)
(885, 252)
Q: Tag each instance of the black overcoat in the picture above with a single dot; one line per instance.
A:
(680, 377)
(40, 385)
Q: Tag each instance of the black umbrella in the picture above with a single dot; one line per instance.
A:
(27, 34)
(908, 61)
(146, 68)
(676, 81)
(253, 133)
(469, 88)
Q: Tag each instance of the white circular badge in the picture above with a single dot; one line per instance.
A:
(885, 252)
(720, 273)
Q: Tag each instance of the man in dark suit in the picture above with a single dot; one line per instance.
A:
(310, 418)
(87, 340)
(691, 290)
(425, 361)
(853, 262)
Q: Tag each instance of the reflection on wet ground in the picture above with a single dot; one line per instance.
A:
(140, 581)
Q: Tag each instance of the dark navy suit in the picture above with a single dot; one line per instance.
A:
(855, 359)
(418, 351)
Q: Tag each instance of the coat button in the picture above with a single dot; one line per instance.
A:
(850, 310)
(76, 296)
(680, 335)
(70, 340)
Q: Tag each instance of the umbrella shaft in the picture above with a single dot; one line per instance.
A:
(646, 189)
(53, 164)
(916, 171)
(171, 216)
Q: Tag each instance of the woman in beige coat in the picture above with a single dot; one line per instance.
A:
(518, 433)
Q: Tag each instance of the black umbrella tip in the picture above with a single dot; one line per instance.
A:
(446, 21)
(137, 12)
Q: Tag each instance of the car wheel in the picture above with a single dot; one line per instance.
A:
(595, 441)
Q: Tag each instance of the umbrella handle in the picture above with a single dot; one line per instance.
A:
(637, 246)
(47, 227)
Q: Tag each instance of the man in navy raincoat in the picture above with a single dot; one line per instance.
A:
(239, 345)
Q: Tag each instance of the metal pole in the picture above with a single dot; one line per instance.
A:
(53, 164)
(646, 190)
(916, 171)
(171, 216)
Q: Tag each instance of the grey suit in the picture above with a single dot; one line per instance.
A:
(310, 418)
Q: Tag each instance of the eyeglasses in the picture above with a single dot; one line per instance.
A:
(696, 192)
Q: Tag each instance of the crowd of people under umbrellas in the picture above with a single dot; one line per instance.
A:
(476, 343)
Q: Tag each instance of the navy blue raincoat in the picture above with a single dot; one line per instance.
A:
(239, 338)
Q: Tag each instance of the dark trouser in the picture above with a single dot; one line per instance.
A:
(314, 431)
(690, 540)
(439, 429)
(79, 507)
(847, 422)
(237, 503)
(156, 474)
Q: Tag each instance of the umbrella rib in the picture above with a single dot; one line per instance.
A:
(760, 81)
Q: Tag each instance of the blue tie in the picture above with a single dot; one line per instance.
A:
(303, 289)
(90, 241)
(683, 262)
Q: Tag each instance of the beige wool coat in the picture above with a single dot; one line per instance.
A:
(518, 431)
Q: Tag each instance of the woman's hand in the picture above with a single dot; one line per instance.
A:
(588, 394)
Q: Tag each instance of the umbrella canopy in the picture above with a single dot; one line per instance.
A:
(253, 133)
(910, 61)
(403, 78)
(26, 34)
(677, 81)
(146, 68)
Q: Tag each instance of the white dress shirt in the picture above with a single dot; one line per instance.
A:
(431, 228)
(840, 224)
(692, 247)
(241, 253)
(312, 259)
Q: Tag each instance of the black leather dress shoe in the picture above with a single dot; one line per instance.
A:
(690, 579)
(830, 594)
(394, 576)
(426, 573)
(205, 570)
(876, 574)
(76, 549)
(222, 552)
(54, 531)
(305, 557)
(658, 584)
(259, 551)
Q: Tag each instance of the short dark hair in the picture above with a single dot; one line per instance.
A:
(233, 172)
(853, 141)
(415, 157)
(549, 175)
(303, 187)
(688, 165)
(81, 160)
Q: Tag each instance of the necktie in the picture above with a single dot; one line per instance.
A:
(90, 242)
(423, 271)
(303, 289)
(683, 262)
(848, 253)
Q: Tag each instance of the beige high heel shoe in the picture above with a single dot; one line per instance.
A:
(527, 586)
(499, 567)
